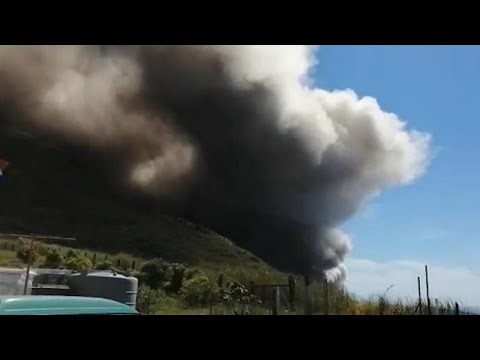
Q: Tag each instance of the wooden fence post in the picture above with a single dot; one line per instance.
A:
(428, 291)
(291, 292)
(419, 296)
(307, 310)
(275, 300)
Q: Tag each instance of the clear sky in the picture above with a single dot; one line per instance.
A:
(434, 221)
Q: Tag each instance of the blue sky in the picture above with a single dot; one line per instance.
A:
(435, 89)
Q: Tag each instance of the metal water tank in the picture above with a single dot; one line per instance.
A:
(107, 285)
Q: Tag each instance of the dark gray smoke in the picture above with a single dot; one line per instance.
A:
(231, 136)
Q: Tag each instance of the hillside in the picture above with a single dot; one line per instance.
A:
(50, 190)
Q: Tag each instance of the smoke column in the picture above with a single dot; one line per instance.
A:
(235, 137)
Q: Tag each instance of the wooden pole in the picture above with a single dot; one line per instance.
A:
(29, 261)
(211, 304)
(275, 300)
(428, 291)
(419, 296)
(148, 302)
(291, 292)
(307, 295)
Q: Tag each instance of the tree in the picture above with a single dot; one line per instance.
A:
(53, 259)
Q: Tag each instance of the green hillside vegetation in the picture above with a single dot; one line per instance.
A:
(207, 288)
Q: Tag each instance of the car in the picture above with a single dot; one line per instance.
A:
(62, 305)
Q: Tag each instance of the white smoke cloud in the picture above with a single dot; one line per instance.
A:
(356, 129)
(339, 118)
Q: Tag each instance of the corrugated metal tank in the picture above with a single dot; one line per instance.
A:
(105, 285)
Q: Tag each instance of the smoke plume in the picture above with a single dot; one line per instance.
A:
(235, 137)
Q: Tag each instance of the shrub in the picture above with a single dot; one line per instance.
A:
(155, 274)
(199, 291)
(176, 277)
(71, 254)
(148, 297)
(43, 250)
(240, 297)
(159, 274)
(104, 265)
(78, 262)
(53, 259)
